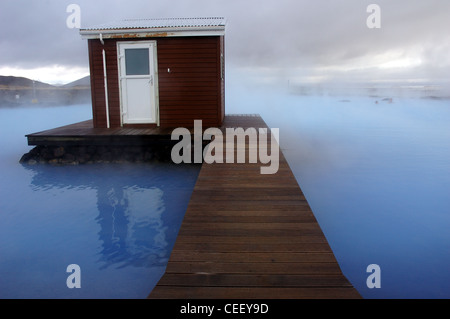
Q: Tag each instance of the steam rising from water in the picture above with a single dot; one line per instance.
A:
(375, 170)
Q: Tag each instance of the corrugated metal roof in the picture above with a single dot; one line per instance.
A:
(163, 23)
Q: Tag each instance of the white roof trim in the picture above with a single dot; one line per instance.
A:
(157, 28)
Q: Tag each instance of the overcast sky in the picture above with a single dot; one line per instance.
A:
(271, 40)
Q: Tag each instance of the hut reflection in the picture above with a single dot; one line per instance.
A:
(139, 208)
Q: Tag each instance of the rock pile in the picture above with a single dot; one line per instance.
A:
(75, 155)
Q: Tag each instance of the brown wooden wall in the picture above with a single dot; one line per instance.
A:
(193, 89)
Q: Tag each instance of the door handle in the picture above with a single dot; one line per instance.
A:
(151, 80)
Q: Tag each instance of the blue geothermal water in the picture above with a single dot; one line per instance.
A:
(376, 173)
(117, 222)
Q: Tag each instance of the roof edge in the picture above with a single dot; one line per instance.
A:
(123, 29)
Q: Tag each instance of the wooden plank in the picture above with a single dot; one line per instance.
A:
(257, 280)
(247, 235)
(295, 227)
(244, 235)
(193, 77)
(253, 268)
(252, 206)
(198, 218)
(236, 257)
(243, 232)
(255, 247)
(253, 239)
(194, 292)
(187, 99)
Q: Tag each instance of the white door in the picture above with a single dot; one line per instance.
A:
(138, 80)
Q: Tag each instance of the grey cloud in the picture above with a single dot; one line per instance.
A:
(283, 35)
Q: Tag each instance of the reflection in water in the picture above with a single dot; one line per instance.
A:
(132, 228)
(134, 222)
(375, 174)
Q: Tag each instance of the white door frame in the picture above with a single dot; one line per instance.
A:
(152, 79)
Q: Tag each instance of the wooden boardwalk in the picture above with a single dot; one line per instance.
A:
(84, 133)
(244, 235)
(247, 235)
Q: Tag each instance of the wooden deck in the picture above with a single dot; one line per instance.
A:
(244, 235)
(84, 133)
(247, 235)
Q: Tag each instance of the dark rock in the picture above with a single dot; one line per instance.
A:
(81, 150)
(82, 158)
(133, 149)
(54, 161)
(91, 149)
(96, 157)
(102, 149)
(107, 156)
(74, 155)
(25, 158)
(148, 156)
(69, 157)
(58, 151)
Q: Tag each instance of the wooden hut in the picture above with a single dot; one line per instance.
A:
(157, 72)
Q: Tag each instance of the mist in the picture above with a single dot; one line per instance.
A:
(373, 166)
(362, 114)
(278, 41)
(117, 222)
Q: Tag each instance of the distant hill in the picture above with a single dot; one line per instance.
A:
(13, 81)
(20, 91)
(86, 81)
